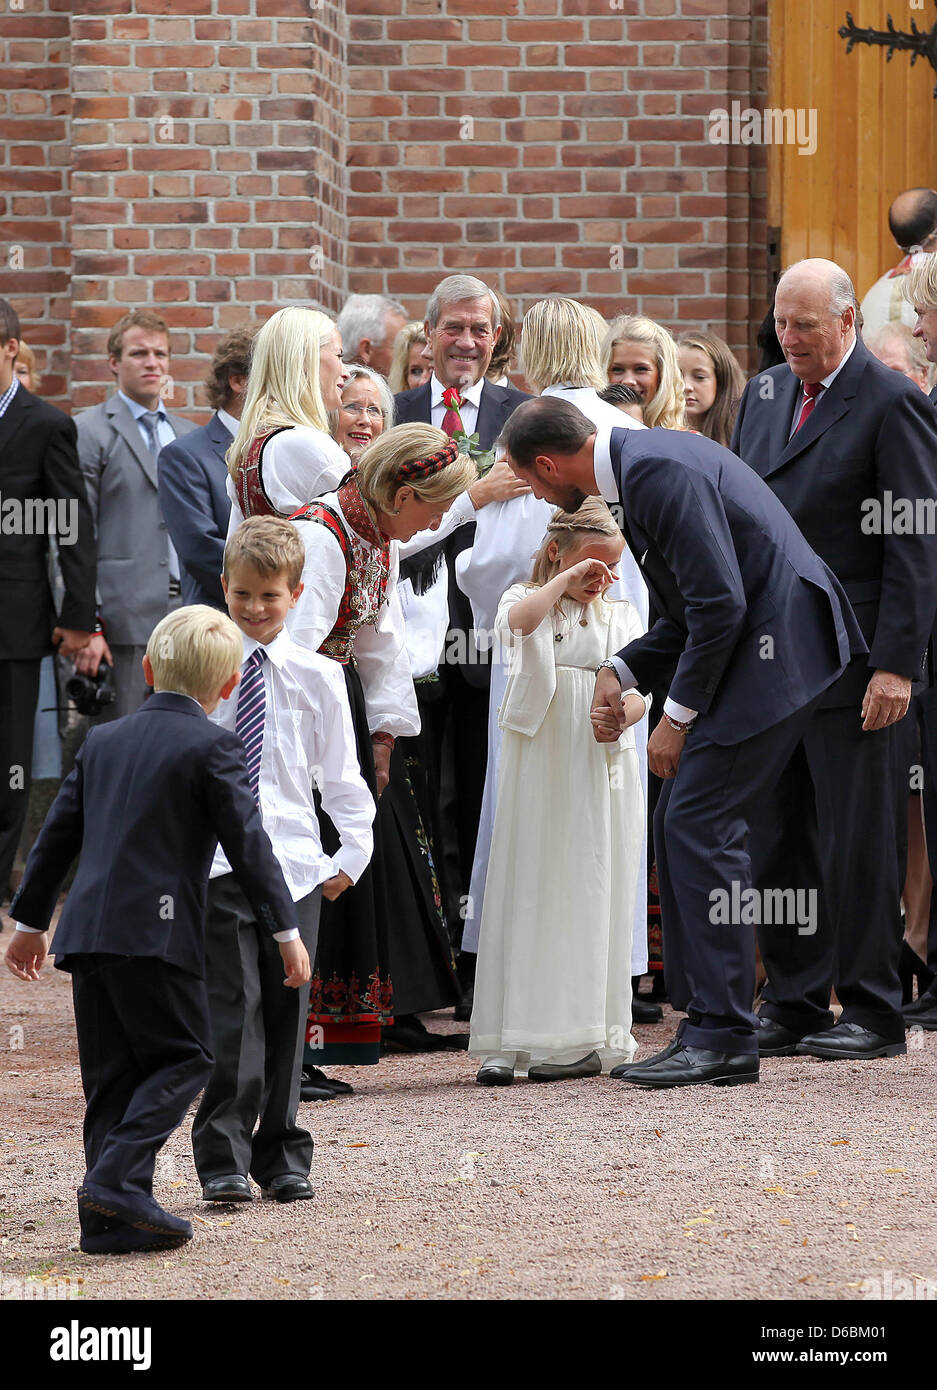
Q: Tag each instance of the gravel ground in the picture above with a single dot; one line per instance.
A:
(430, 1187)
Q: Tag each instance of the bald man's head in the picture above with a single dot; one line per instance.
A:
(815, 317)
(912, 218)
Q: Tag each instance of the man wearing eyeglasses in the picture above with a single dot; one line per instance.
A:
(912, 219)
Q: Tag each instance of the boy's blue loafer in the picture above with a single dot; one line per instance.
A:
(128, 1240)
(144, 1213)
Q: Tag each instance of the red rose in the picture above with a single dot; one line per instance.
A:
(451, 398)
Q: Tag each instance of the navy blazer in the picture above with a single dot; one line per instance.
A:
(148, 799)
(755, 622)
(495, 408)
(873, 432)
(192, 479)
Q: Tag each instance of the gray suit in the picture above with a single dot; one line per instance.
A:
(133, 542)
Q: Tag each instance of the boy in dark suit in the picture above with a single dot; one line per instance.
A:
(147, 800)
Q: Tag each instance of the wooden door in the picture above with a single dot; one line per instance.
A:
(876, 131)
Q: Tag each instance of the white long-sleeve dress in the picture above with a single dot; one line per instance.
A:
(506, 538)
(554, 952)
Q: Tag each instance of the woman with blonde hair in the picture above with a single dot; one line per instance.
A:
(562, 345)
(641, 353)
(350, 611)
(408, 367)
(283, 453)
(24, 368)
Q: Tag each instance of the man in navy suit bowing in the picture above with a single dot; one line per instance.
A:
(753, 629)
(850, 448)
(193, 476)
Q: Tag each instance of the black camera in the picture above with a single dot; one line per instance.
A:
(92, 694)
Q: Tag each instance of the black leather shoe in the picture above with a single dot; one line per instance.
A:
(289, 1188)
(312, 1076)
(233, 1188)
(408, 1034)
(775, 1040)
(848, 1041)
(565, 1071)
(692, 1066)
(128, 1240)
(645, 1010)
(143, 1213)
(494, 1076)
(673, 1046)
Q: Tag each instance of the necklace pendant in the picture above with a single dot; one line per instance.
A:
(583, 622)
(558, 637)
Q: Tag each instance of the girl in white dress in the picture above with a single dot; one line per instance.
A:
(553, 982)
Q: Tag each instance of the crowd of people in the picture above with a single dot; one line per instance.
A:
(503, 700)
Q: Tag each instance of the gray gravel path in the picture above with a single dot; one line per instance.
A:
(430, 1187)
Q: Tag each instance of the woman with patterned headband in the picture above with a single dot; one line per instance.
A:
(404, 483)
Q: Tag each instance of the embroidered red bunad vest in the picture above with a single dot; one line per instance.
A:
(366, 552)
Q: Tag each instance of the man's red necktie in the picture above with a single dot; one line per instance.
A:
(450, 421)
(812, 390)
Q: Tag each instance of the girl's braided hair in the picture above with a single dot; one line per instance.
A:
(567, 529)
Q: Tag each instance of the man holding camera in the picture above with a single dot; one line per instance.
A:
(39, 480)
(118, 444)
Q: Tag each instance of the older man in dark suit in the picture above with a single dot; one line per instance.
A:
(841, 440)
(463, 324)
(41, 494)
(733, 580)
(193, 476)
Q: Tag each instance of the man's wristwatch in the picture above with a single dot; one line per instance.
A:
(608, 665)
(678, 724)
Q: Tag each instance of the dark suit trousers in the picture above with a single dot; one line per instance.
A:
(926, 705)
(144, 1050)
(19, 693)
(831, 823)
(258, 1031)
(703, 865)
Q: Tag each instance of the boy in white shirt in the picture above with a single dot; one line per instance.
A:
(291, 712)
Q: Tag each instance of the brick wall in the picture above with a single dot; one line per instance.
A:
(34, 174)
(224, 164)
(208, 152)
(559, 146)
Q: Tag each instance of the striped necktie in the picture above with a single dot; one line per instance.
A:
(812, 391)
(249, 721)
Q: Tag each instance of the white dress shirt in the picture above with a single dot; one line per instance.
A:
(299, 464)
(165, 434)
(229, 422)
(471, 397)
(605, 477)
(308, 741)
